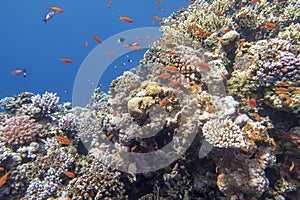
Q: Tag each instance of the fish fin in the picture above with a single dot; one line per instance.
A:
(44, 20)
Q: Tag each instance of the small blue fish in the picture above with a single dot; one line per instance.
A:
(48, 16)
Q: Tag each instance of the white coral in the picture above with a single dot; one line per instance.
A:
(223, 133)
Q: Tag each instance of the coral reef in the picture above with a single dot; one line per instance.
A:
(244, 177)
(220, 88)
(272, 71)
(45, 104)
(224, 133)
(18, 130)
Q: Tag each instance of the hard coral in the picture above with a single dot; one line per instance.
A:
(272, 74)
(45, 104)
(99, 182)
(224, 134)
(18, 130)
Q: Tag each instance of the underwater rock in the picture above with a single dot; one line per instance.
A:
(244, 177)
(229, 41)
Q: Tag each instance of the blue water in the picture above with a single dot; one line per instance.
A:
(27, 42)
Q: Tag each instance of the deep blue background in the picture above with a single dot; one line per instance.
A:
(27, 42)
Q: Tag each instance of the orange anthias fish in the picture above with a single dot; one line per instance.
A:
(133, 148)
(111, 53)
(203, 65)
(292, 166)
(3, 178)
(97, 39)
(56, 9)
(132, 84)
(1, 168)
(135, 47)
(66, 60)
(19, 71)
(63, 139)
(171, 68)
(126, 19)
(164, 75)
(164, 102)
(251, 102)
(270, 25)
(108, 3)
(147, 37)
(174, 82)
(70, 174)
(86, 44)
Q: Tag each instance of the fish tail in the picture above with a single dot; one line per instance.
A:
(44, 20)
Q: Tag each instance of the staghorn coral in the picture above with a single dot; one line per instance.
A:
(18, 130)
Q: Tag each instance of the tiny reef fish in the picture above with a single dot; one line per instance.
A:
(48, 16)
(1, 168)
(251, 102)
(133, 148)
(56, 9)
(108, 4)
(66, 60)
(70, 174)
(164, 102)
(171, 68)
(164, 75)
(97, 39)
(63, 139)
(126, 19)
(3, 178)
(86, 43)
(270, 25)
(19, 71)
(203, 65)
(120, 40)
(111, 53)
(292, 166)
(174, 82)
(135, 47)
(147, 38)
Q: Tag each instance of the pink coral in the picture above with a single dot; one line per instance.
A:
(18, 130)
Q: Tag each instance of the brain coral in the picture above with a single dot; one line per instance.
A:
(18, 130)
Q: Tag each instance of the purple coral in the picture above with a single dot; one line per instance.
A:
(18, 130)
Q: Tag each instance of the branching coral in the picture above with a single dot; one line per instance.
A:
(224, 133)
(45, 104)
